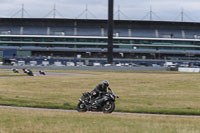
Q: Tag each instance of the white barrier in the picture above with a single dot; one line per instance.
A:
(45, 63)
(58, 63)
(21, 63)
(70, 64)
(184, 69)
(33, 63)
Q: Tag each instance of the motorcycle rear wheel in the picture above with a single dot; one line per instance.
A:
(109, 107)
(81, 107)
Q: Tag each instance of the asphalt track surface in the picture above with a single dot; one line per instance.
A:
(74, 111)
(94, 68)
(47, 73)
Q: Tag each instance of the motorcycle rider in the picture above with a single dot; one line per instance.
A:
(99, 92)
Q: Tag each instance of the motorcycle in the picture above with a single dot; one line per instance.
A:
(42, 72)
(28, 72)
(15, 70)
(87, 103)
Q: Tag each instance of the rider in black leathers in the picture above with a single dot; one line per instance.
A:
(99, 92)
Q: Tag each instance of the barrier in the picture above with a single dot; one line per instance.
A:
(184, 69)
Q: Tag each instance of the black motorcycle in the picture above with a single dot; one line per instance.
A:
(42, 72)
(87, 103)
(28, 72)
(15, 70)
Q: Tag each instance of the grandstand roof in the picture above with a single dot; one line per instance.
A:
(95, 22)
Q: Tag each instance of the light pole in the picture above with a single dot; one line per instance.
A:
(110, 31)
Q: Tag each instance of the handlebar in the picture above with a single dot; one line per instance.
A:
(112, 91)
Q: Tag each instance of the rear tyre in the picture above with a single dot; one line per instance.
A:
(109, 107)
(81, 107)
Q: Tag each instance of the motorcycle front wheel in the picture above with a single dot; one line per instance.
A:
(109, 107)
(81, 107)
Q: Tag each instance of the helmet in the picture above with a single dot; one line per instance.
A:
(105, 82)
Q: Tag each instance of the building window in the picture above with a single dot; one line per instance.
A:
(59, 33)
(196, 36)
(168, 36)
(7, 32)
(116, 34)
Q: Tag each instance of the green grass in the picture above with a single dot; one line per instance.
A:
(143, 92)
(38, 121)
(6, 74)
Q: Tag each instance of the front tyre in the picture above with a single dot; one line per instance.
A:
(109, 107)
(81, 107)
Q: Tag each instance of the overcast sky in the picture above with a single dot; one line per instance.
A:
(167, 10)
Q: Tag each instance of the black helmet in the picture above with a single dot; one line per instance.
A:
(105, 82)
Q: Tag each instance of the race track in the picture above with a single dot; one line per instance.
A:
(74, 111)
(47, 73)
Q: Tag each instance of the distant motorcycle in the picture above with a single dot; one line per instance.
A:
(28, 72)
(42, 72)
(15, 70)
(86, 103)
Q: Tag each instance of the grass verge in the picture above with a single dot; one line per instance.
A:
(39, 121)
(152, 92)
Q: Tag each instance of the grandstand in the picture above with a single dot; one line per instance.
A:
(85, 40)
